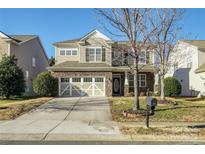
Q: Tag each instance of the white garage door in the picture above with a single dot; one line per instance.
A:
(82, 86)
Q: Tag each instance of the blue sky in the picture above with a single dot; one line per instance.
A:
(54, 25)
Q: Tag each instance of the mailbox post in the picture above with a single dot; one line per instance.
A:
(149, 104)
(147, 117)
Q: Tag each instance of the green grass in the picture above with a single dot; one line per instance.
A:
(184, 111)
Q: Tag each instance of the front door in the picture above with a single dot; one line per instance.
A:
(116, 86)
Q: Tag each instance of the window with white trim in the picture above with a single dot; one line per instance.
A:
(27, 89)
(33, 61)
(87, 79)
(141, 81)
(144, 57)
(26, 74)
(95, 54)
(65, 80)
(76, 79)
(62, 52)
(98, 79)
(69, 52)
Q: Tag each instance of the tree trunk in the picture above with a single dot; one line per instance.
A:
(136, 105)
(162, 88)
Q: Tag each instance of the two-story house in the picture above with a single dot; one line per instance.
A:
(29, 53)
(187, 65)
(93, 65)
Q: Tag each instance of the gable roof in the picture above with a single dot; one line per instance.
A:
(91, 33)
(200, 69)
(17, 38)
(95, 31)
(198, 43)
(22, 38)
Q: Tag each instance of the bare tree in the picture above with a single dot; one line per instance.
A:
(131, 24)
(165, 23)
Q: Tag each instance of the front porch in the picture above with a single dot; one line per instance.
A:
(123, 83)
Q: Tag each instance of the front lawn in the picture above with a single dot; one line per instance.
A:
(186, 110)
(11, 109)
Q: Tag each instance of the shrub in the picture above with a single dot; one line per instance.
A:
(45, 84)
(11, 78)
(172, 87)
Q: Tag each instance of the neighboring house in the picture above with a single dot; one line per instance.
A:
(93, 65)
(29, 53)
(188, 66)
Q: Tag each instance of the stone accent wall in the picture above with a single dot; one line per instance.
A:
(108, 76)
(142, 90)
(150, 83)
(3, 48)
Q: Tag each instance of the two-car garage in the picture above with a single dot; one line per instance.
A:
(82, 86)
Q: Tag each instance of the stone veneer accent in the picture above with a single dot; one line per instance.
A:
(150, 84)
(108, 77)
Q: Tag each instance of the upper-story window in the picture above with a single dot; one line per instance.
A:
(33, 61)
(26, 74)
(69, 52)
(95, 54)
(144, 57)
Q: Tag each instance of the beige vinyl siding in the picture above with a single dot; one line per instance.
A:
(4, 47)
(24, 54)
(151, 57)
(96, 42)
(81, 57)
(60, 58)
(82, 54)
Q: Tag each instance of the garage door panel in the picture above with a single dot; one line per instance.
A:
(66, 93)
(98, 93)
(87, 93)
(84, 86)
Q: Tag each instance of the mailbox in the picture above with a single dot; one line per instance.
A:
(151, 103)
(149, 100)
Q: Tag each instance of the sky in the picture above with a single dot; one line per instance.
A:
(53, 25)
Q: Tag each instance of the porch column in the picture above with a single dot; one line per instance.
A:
(126, 86)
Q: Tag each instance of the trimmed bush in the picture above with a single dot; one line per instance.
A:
(11, 78)
(45, 85)
(172, 87)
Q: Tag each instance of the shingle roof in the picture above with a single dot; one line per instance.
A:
(77, 64)
(22, 38)
(78, 39)
(200, 69)
(68, 41)
(198, 43)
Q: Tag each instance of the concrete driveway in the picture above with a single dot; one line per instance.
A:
(63, 119)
